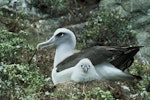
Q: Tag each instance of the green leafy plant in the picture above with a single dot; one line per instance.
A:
(53, 7)
(14, 47)
(18, 79)
(22, 82)
(98, 94)
(143, 86)
(107, 28)
(77, 94)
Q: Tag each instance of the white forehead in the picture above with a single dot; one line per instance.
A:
(85, 61)
(63, 30)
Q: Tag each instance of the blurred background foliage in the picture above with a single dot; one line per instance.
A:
(53, 7)
(107, 28)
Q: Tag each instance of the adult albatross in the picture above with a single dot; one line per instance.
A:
(95, 63)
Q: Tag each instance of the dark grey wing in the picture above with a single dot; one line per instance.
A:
(126, 59)
(97, 55)
(120, 57)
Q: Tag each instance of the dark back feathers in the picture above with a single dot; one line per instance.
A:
(120, 57)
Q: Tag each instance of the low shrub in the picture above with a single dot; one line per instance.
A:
(107, 28)
(14, 47)
(21, 82)
(52, 7)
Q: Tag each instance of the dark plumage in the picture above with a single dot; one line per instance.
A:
(120, 57)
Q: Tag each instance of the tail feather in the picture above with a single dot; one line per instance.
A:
(126, 59)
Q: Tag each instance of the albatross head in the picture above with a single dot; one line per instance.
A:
(64, 41)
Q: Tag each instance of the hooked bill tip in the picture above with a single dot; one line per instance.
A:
(38, 47)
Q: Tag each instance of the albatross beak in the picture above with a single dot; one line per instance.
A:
(46, 43)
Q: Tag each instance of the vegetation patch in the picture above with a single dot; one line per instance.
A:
(21, 82)
(14, 47)
(52, 7)
(107, 28)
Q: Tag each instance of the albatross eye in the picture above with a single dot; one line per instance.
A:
(60, 35)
